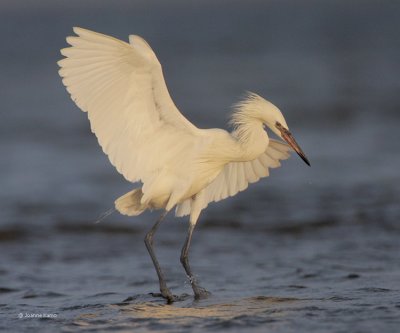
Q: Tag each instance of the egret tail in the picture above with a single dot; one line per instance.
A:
(129, 204)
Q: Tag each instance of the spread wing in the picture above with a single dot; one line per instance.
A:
(122, 88)
(236, 176)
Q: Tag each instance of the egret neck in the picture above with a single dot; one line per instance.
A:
(251, 138)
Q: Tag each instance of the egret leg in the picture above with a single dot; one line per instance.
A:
(199, 292)
(148, 240)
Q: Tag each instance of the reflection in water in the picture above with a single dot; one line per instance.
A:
(187, 312)
(247, 306)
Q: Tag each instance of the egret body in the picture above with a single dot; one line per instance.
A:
(176, 165)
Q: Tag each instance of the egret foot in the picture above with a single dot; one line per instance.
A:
(200, 293)
(166, 293)
(171, 298)
(168, 296)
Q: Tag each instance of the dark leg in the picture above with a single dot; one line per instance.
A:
(199, 292)
(148, 240)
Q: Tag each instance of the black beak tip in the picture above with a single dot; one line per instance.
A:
(306, 161)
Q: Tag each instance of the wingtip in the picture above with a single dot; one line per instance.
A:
(82, 31)
(69, 39)
(77, 30)
(62, 51)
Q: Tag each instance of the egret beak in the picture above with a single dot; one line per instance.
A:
(288, 137)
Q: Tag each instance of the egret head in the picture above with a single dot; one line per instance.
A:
(259, 109)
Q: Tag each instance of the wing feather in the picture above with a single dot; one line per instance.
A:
(121, 86)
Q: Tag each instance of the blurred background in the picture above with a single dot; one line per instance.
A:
(332, 230)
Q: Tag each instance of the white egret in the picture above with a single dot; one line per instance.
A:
(121, 87)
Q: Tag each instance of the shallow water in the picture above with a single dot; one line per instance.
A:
(306, 250)
(324, 275)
